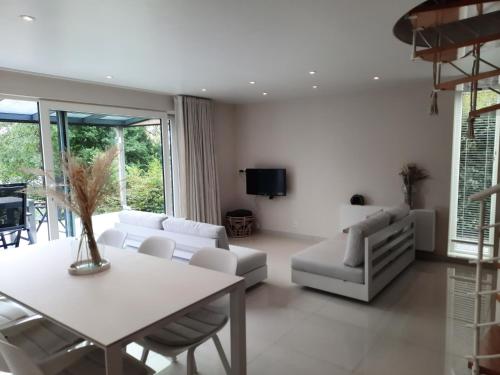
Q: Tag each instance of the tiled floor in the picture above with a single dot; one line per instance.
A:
(415, 326)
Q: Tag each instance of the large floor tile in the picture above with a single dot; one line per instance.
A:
(414, 326)
(280, 361)
(341, 344)
(391, 356)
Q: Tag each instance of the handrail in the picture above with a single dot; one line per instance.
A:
(485, 193)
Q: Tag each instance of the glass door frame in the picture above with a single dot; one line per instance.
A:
(46, 106)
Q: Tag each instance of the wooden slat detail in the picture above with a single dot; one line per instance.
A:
(450, 85)
(391, 256)
(428, 52)
(377, 253)
(479, 112)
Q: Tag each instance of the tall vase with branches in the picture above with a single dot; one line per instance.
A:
(88, 185)
(411, 175)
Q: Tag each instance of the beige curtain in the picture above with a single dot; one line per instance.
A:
(198, 188)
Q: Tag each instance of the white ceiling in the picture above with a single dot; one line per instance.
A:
(182, 46)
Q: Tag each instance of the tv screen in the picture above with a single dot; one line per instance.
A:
(271, 182)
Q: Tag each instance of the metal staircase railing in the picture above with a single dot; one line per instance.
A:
(477, 325)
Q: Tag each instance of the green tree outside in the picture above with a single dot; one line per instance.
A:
(20, 149)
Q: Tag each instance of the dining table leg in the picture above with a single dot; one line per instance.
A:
(238, 330)
(114, 360)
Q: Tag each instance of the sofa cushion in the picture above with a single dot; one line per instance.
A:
(141, 218)
(195, 228)
(327, 259)
(248, 259)
(355, 248)
(399, 212)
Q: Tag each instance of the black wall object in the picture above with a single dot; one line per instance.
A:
(357, 200)
(268, 182)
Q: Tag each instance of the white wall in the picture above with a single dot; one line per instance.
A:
(336, 145)
(30, 85)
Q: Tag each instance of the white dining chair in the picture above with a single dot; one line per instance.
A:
(158, 246)
(84, 360)
(38, 337)
(112, 237)
(11, 312)
(193, 329)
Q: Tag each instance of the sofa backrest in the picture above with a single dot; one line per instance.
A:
(190, 236)
(143, 219)
(195, 228)
(352, 214)
(355, 247)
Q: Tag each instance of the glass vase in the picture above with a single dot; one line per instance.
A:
(88, 259)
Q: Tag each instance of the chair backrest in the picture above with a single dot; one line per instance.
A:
(13, 206)
(217, 260)
(158, 246)
(112, 237)
(16, 360)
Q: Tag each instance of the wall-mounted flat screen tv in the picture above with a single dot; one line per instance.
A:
(269, 182)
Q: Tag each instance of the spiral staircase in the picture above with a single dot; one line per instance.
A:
(485, 358)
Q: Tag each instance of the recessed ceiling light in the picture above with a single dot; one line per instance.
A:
(252, 82)
(27, 18)
(265, 93)
(203, 90)
(315, 86)
(109, 77)
(376, 78)
(312, 72)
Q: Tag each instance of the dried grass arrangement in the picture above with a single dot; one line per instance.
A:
(89, 187)
(411, 175)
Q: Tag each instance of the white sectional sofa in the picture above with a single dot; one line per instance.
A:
(190, 236)
(360, 263)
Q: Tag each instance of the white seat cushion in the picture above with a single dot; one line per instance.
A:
(189, 329)
(142, 219)
(248, 259)
(327, 259)
(43, 339)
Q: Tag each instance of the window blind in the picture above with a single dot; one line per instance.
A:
(476, 172)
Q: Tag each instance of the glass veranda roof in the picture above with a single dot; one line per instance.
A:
(12, 110)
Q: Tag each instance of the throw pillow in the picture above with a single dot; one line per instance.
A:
(355, 248)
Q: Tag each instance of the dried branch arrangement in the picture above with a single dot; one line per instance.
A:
(88, 187)
(412, 174)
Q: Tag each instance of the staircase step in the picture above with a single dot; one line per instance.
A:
(490, 344)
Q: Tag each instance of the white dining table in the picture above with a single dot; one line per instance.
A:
(136, 296)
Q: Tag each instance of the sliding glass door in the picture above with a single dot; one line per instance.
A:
(21, 152)
(141, 177)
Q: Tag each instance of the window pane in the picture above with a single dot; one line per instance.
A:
(475, 166)
(143, 156)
